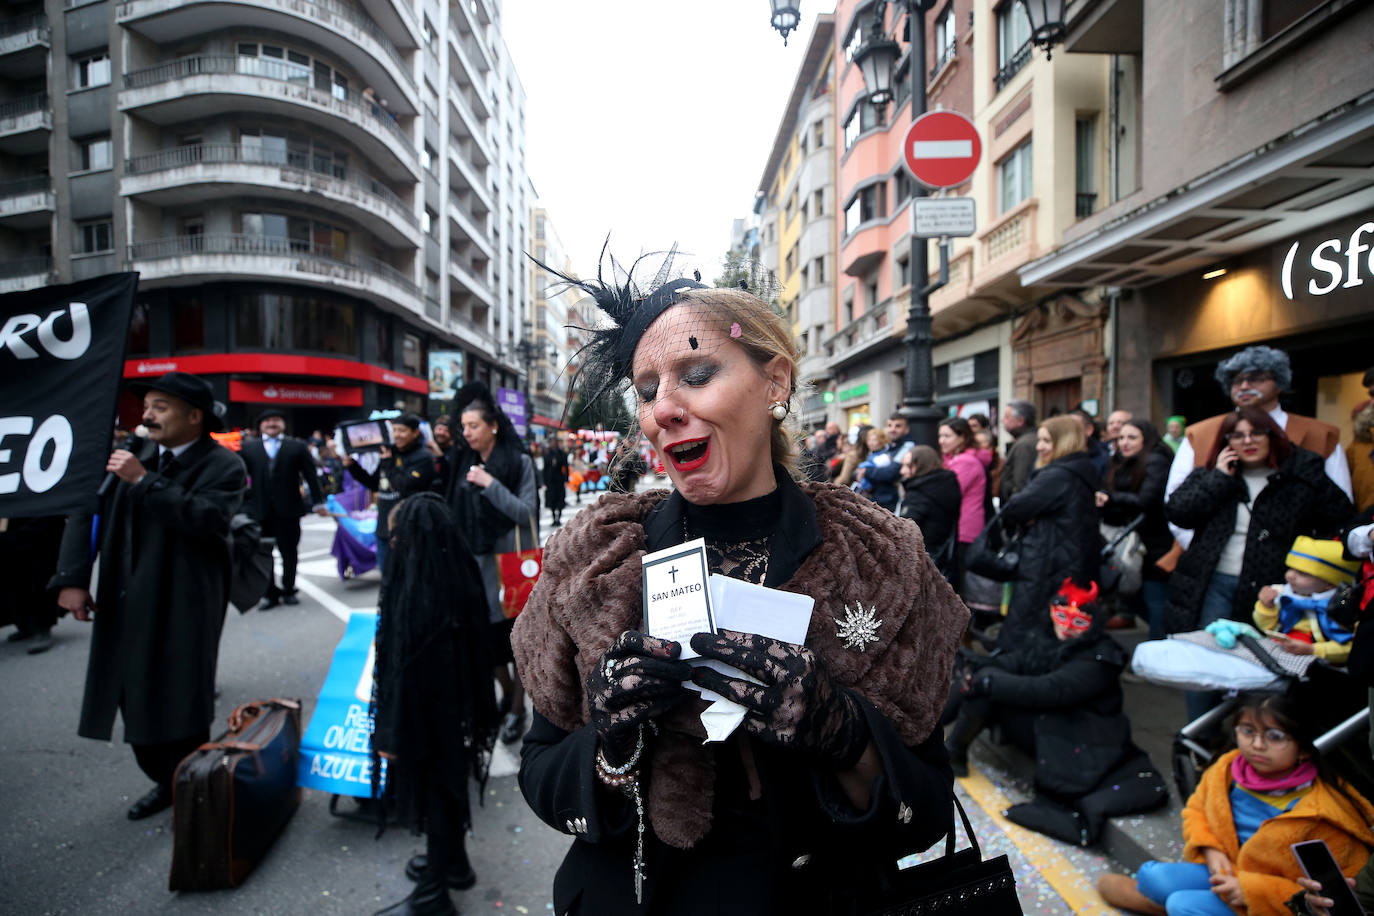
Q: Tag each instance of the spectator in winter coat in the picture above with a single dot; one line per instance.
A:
(1018, 419)
(1360, 454)
(1134, 486)
(1093, 445)
(1255, 494)
(961, 456)
(931, 498)
(1061, 703)
(1063, 542)
(855, 452)
(881, 472)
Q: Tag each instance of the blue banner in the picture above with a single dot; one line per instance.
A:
(337, 747)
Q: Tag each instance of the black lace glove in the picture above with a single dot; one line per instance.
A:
(638, 678)
(797, 704)
(979, 683)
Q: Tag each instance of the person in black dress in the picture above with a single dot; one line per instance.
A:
(556, 480)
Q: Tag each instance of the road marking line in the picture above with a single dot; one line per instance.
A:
(329, 602)
(1053, 866)
(312, 554)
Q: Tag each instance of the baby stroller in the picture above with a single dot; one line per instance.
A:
(355, 538)
(1337, 700)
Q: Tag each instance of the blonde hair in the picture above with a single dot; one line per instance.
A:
(1066, 437)
(764, 335)
(882, 437)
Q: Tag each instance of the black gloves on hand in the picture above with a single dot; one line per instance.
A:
(980, 683)
(797, 704)
(638, 678)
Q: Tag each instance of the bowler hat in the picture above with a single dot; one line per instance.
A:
(269, 412)
(192, 389)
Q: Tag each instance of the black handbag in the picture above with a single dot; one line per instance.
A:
(957, 883)
(994, 554)
(1345, 606)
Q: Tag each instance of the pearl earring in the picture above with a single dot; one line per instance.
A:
(779, 410)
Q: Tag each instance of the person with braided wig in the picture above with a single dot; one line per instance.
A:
(433, 704)
(838, 768)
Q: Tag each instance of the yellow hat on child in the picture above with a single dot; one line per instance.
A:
(1323, 559)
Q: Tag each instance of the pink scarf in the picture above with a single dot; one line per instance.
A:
(1246, 777)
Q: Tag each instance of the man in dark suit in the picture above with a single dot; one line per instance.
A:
(165, 555)
(277, 464)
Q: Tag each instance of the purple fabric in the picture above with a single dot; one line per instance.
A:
(347, 548)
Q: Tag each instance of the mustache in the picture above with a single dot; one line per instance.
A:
(1249, 391)
(152, 426)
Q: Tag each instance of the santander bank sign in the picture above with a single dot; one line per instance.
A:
(1335, 263)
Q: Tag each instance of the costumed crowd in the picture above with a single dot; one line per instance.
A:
(1245, 534)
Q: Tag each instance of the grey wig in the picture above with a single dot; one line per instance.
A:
(1258, 358)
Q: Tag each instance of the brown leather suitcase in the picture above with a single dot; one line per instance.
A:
(232, 796)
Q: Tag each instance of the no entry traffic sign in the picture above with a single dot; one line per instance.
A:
(942, 149)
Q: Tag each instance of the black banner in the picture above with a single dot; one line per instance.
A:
(61, 361)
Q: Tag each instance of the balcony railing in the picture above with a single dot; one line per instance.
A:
(325, 12)
(24, 267)
(25, 104)
(17, 187)
(184, 156)
(943, 56)
(1012, 67)
(267, 68)
(21, 24)
(181, 246)
(1083, 202)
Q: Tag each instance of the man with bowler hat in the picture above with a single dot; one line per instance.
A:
(277, 465)
(164, 554)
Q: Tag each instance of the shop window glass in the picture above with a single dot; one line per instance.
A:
(382, 338)
(188, 324)
(140, 330)
(1014, 177)
(317, 324)
(411, 353)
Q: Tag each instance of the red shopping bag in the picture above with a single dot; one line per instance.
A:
(519, 570)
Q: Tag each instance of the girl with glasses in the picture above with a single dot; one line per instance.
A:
(1251, 805)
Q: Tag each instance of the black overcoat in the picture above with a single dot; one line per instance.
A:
(555, 478)
(274, 489)
(932, 501)
(164, 585)
(1125, 503)
(1058, 511)
(1299, 499)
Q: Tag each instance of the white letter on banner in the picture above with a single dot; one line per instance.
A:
(75, 346)
(38, 478)
(12, 426)
(12, 336)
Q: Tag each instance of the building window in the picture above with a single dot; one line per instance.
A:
(188, 324)
(427, 31)
(818, 270)
(818, 203)
(411, 354)
(1014, 178)
(428, 157)
(871, 295)
(820, 134)
(1278, 15)
(96, 153)
(868, 204)
(1084, 165)
(140, 330)
(93, 71)
(94, 237)
(1013, 41)
(865, 117)
(279, 321)
(944, 37)
(902, 186)
(856, 41)
(904, 271)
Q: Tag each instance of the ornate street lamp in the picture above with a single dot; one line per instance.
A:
(1046, 22)
(786, 16)
(876, 59)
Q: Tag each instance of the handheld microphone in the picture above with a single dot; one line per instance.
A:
(130, 444)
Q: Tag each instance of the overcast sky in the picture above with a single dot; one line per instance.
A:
(650, 120)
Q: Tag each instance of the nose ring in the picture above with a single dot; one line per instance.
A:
(681, 413)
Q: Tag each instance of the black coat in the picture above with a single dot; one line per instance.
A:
(404, 473)
(1058, 511)
(1126, 502)
(1019, 465)
(932, 502)
(1081, 732)
(1299, 499)
(164, 586)
(274, 487)
(555, 478)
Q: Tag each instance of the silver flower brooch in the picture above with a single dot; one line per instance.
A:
(859, 627)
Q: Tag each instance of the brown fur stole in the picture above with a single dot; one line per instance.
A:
(591, 591)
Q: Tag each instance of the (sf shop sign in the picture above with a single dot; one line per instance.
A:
(61, 354)
(1335, 263)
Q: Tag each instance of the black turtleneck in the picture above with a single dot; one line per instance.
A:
(736, 534)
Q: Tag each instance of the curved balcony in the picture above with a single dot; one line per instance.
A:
(27, 203)
(340, 28)
(24, 44)
(25, 124)
(184, 89)
(190, 174)
(18, 274)
(468, 284)
(180, 259)
(472, 226)
(872, 154)
(815, 238)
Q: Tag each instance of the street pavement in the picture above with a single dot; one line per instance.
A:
(67, 847)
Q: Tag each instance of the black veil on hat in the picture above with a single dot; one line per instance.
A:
(604, 362)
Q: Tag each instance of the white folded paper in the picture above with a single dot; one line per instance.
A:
(748, 608)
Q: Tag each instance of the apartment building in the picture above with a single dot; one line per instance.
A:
(1030, 112)
(315, 193)
(796, 204)
(1239, 158)
(554, 328)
